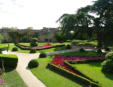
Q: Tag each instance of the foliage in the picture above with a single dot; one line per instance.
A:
(42, 55)
(33, 42)
(8, 60)
(109, 55)
(33, 51)
(107, 65)
(14, 49)
(99, 51)
(47, 76)
(33, 64)
(78, 53)
(93, 70)
(82, 50)
(68, 46)
(84, 22)
(72, 76)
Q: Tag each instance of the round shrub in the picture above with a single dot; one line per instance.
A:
(82, 50)
(42, 55)
(99, 51)
(109, 55)
(15, 49)
(33, 51)
(68, 47)
(33, 44)
(107, 49)
(33, 63)
(107, 66)
(74, 43)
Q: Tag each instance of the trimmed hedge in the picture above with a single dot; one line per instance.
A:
(81, 74)
(14, 49)
(86, 61)
(72, 76)
(42, 55)
(33, 63)
(29, 48)
(8, 60)
(32, 51)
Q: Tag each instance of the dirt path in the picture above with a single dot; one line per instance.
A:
(27, 76)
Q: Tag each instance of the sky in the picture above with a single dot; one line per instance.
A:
(36, 13)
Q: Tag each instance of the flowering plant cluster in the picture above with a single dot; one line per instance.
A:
(59, 61)
(37, 47)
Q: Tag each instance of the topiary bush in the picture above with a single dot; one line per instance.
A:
(74, 43)
(109, 55)
(107, 65)
(33, 63)
(14, 49)
(99, 51)
(33, 51)
(82, 50)
(42, 55)
(68, 47)
(33, 42)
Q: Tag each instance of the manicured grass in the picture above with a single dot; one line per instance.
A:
(11, 45)
(78, 53)
(50, 78)
(93, 70)
(7, 56)
(12, 79)
(85, 42)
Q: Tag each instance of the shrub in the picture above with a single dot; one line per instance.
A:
(107, 49)
(42, 55)
(109, 55)
(107, 66)
(33, 44)
(68, 47)
(14, 49)
(33, 51)
(8, 60)
(72, 76)
(74, 42)
(33, 63)
(82, 50)
(99, 51)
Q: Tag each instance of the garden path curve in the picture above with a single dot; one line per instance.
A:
(27, 76)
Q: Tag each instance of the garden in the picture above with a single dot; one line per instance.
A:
(79, 53)
(81, 68)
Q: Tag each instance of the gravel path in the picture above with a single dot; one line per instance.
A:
(27, 76)
(74, 48)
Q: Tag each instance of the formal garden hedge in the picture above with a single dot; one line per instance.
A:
(29, 48)
(8, 60)
(81, 74)
(72, 76)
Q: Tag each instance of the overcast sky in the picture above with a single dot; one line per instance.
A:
(36, 13)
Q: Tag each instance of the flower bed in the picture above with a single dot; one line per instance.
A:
(46, 46)
(59, 61)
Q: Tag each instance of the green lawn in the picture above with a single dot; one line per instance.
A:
(85, 42)
(11, 45)
(78, 53)
(93, 70)
(12, 79)
(50, 78)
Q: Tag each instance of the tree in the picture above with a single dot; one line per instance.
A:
(84, 22)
